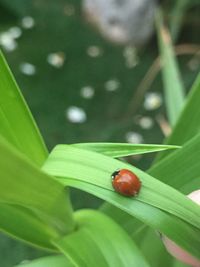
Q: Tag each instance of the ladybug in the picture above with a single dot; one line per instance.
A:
(126, 182)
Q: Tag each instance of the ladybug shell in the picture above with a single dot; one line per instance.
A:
(126, 182)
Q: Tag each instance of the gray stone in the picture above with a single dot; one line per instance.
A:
(122, 21)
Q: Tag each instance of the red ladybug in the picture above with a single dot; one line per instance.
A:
(126, 182)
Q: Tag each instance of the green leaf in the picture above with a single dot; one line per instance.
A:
(129, 223)
(156, 254)
(145, 237)
(17, 123)
(34, 231)
(23, 185)
(90, 165)
(181, 167)
(179, 264)
(180, 170)
(99, 241)
(174, 91)
(50, 261)
(91, 172)
(123, 149)
(188, 124)
(155, 218)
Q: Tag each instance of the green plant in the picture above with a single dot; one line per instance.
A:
(34, 198)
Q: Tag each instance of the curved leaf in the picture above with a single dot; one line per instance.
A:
(181, 167)
(116, 150)
(174, 91)
(188, 124)
(17, 123)
(155, 218)
(95, 168)
(24, 185)
(100, 241)
(91, 172)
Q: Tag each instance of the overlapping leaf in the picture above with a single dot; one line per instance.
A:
(21, 223)
(33, 196)
(117, 150)
(100, 241)
(91, 172)
(181, 167)
(188, 124)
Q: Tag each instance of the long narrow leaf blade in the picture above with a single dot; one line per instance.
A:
(188, 124)
(180, 170)
(181, 167)
(174, 91)
(17, 123)
(123, 149)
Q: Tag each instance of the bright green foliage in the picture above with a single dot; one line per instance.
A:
(96, 169)
(188, 124)
(17, 123)
(34, 231)
(181, 167)
(97, 240)
(91, 172)
(40, 199)
(117, 150)
(174, 91)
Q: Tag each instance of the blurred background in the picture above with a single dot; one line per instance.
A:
(89, 72)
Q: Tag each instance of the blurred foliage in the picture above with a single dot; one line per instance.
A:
(52, 90)
(13, 252)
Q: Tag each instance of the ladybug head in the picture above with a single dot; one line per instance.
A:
(115, 173)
